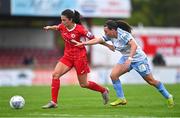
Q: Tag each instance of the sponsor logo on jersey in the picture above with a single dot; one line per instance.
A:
(73, 36)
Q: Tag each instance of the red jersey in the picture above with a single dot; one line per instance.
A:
(76, 33)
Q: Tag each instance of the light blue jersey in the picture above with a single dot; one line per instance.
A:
(139, 63)
(121, 45)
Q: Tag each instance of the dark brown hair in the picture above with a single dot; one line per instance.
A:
(112, 24)
(74, 15)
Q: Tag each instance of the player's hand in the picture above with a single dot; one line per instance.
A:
(128, 62)
(77, 43)
(46, 28)
(80, 44)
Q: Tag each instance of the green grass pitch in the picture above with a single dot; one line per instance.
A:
(143, 101)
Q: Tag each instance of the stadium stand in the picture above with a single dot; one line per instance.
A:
(13, 57)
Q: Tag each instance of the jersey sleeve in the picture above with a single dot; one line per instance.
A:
(60, 27)
(126, 37)
(86, 33)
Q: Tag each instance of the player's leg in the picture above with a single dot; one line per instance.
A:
(82, 69)
(59, 70)
(94, 86)
(161, 88)
(117, 71)
(143, 68)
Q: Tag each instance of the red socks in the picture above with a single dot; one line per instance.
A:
(95, 87)
(55, 89)
(56, 85)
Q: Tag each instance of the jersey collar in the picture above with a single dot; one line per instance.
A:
(72, 28)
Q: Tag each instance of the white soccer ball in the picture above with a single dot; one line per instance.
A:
(17, 102)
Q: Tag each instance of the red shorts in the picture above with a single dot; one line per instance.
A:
(81, 65)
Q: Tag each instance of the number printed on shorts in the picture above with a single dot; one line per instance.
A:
(142, 68)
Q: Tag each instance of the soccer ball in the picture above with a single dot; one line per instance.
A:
(17, 102)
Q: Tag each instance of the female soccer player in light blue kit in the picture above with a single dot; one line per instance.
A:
(119, 33)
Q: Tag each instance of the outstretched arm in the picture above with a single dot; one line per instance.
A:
(111, 47)
(53, 27)
(94, 41)
(89, 42)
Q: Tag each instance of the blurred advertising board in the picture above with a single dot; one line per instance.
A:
(101, 75)
(166, 75)
(168, 45)
(44, 77)
(16, 77)
(28, 77)
(87, 8)
(159, 40)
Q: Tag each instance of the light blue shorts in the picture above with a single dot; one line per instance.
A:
(142, 67)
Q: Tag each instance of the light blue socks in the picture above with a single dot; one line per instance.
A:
(160, 87)
(118, 88)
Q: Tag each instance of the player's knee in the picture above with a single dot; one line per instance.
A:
(152, 82)
(113, 76)
(55, 75)
(83, 85)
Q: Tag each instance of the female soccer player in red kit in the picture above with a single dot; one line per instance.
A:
(72, 30)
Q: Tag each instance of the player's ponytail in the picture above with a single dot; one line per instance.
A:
(112, 24)
(77, 17)
(124, 25)
(72, 15)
